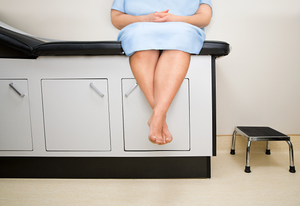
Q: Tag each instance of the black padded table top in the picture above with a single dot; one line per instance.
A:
(17, 45)
(66, 48)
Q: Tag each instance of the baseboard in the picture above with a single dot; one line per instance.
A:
(105, 167)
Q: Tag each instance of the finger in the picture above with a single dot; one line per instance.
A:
(161, 16)
(163, 19)
(165, 11)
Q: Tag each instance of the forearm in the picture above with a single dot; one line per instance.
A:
(196, 20)
(120, 19)
(200, 19)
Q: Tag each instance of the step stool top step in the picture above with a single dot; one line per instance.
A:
(261, 132)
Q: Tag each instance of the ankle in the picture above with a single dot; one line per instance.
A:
(159, 113)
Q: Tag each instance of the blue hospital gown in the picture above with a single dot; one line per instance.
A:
(160, 36)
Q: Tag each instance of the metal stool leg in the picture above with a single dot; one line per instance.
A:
(292, 166)
(247, 167)
(233, 143)
(268, 151)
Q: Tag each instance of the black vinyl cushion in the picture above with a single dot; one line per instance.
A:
(215, 48)
(34, 47)
(18, 41)
(79, 48)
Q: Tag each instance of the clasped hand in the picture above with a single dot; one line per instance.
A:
(162, 16)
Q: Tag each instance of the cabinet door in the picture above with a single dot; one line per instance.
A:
(136, 112)
(15, 124)
(76, 114)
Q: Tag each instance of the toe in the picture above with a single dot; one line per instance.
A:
(169, 139)
(152, 139)
(160, 142)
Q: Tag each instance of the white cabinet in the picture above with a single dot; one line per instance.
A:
(62, 115)
(15, 123)
(136, 112)
(76, 114)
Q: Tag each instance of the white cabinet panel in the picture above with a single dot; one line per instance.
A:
(136, 112)
(76, 114)
(15, 123)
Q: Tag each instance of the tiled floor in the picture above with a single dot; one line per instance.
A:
(270, 183)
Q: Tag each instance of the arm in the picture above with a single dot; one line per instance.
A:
(120, 19)
(200, 19)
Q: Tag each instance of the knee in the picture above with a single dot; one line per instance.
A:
(144, 56)
(145, 53)
(176, 53)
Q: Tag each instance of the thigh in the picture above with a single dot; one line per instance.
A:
(143, 66)
(144, 59)
(173, 61)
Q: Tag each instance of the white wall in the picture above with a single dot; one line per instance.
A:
(257, 84)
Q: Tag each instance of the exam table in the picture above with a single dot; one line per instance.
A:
(72, 109)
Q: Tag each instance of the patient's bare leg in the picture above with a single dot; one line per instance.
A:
(144, 67)
(170, 72)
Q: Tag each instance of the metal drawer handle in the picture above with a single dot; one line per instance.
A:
(16, 90)
(97, 90)
(134, 86)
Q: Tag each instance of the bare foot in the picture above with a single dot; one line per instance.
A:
(165, 133)
(155, 134)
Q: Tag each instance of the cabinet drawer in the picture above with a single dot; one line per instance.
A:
(76, 114)
(15, 123)
(137, 111)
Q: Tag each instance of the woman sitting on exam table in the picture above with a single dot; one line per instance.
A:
(159, 38)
